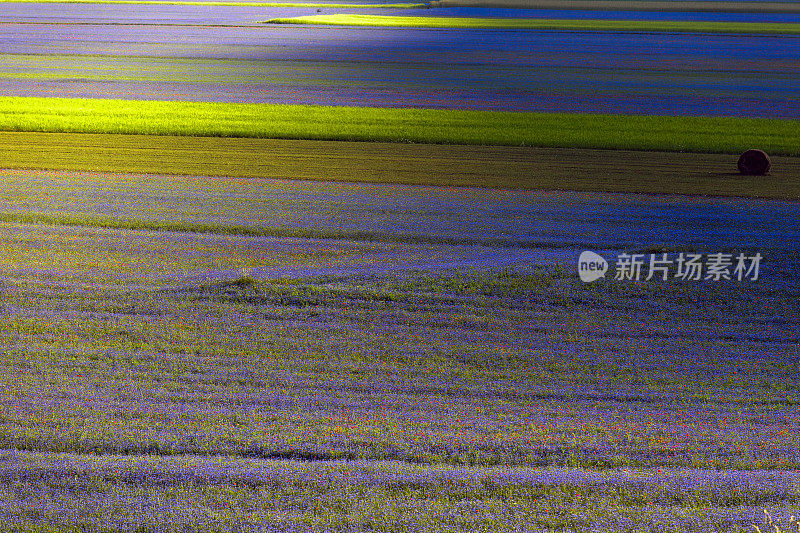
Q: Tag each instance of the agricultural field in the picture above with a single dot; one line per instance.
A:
(510, 23)
(309, 266)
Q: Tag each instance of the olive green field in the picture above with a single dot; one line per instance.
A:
(406, 163)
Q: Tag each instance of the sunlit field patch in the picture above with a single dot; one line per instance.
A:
(544, 24)
(692, 134)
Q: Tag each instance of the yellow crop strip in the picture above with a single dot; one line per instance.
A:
(677, 26)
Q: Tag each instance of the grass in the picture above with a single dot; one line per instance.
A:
(771, 526)
(264, 121)
(663, 133)
(544, 24)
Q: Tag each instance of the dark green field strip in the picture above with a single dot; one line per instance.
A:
(419, 164)
(433, 126)
(678, 26)
(633, 5)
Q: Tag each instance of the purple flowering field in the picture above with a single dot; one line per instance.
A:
(224, 54)
(217, 382)
(379, 357)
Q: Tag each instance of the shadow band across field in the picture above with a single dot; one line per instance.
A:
(505, 167)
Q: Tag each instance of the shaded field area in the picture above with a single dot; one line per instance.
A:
(123, 259)
(585, 14)
(101, 229)
(417, 164)
(223, 54)
(629, 5)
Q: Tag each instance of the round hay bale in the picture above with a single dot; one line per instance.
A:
(754, 163)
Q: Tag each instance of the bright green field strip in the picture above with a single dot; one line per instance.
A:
(431, 126)
(221, 3)
(542, 24)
